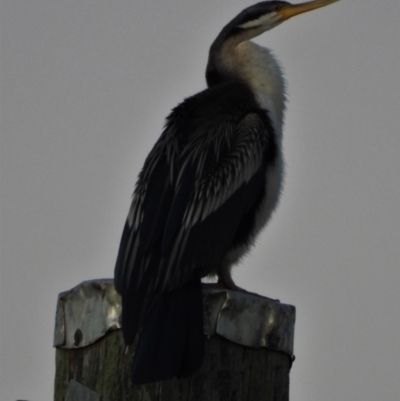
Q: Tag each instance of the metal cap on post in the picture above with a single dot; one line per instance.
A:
(253, 365)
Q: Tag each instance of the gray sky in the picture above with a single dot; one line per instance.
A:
(85, 87)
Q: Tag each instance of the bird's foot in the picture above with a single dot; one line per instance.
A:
(221, 285)
(228, 284)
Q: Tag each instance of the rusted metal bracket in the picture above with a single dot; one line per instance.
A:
(90, 310)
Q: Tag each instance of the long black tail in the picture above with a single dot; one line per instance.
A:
(171, 342)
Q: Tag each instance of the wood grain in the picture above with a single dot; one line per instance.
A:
(230, 372)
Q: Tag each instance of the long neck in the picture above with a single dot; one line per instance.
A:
(253, 65)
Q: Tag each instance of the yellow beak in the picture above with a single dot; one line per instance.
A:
(291, 10)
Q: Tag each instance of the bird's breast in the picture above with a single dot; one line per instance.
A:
(273, 187)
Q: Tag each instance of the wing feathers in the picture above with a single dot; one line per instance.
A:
(189, 201)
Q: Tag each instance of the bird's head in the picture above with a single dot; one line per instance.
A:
(262, 17)
(251, 22)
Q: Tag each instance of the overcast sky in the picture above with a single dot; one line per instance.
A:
(85, 87)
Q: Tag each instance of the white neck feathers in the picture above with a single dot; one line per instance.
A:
(260, 70)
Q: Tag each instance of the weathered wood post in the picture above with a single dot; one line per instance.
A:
(248, 351)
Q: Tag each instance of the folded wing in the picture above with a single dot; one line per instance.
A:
(192, 196)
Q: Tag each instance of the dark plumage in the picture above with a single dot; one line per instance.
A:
(206, 189)
(195, 199)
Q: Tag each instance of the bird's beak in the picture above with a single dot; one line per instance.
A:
(290, 10)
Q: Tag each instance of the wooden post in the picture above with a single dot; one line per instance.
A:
(248, 349)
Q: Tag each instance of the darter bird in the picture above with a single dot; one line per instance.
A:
(206, 190)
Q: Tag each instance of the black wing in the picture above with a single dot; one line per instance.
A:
(188, 204)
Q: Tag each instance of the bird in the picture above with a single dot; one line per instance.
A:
(206, 190)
